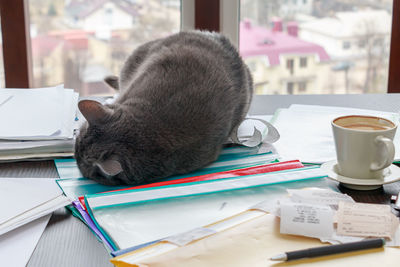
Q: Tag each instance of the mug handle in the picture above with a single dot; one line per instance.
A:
(389, 157)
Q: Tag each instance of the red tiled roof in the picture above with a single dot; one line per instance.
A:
(259, 41)
(43, 45)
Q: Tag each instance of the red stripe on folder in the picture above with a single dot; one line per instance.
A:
(272, 167)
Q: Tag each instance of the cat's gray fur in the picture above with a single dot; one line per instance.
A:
(180, 98)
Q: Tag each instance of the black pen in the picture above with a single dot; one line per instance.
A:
(329, 250)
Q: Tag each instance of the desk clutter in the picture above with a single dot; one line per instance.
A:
(26, 205)
(247, 238)
(204, 212)
(253, 202)
(184, 202)
(37, 123)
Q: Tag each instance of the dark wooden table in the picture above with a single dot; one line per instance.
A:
(68, 242)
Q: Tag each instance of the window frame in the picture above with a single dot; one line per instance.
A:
(220, 15)
(16, 43)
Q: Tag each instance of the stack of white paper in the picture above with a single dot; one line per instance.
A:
(23, 200)
(306, 131)
(37, 123)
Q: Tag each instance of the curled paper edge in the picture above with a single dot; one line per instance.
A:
(270, 136)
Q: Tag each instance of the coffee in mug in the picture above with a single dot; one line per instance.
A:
(364, 145)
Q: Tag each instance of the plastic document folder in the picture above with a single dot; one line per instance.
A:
(248, 239)
(306, 131)
(270, 167)
(68, 168)
(231, 158)
(133, 217)
(79, 208)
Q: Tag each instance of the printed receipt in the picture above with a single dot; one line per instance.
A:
(306, 219)
(360, 219)
(319, 196)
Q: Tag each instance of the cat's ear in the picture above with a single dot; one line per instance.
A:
(112, 81)
(93, 111)
(109, 167)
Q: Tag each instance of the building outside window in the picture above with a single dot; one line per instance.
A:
(341, 46)
(78, 42)
(346, 43)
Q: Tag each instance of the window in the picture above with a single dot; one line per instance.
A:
(346, 45)
(286, 27)
(316, 28)
(78, 43)
(290, 65)
(303, 62)
(289, 88)
(362, 43)
(302, 87)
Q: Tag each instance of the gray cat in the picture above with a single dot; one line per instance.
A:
(180, 98)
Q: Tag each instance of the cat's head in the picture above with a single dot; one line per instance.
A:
(101, 144)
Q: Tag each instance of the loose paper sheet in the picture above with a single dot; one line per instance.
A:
(319, 196)
(17, 246)
(35, 213)
(360, 219)
(306, 219)
(19, 195)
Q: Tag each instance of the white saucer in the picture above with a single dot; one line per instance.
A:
(390, 175)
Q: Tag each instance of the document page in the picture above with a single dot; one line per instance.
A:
(19, 195)
(360, 219)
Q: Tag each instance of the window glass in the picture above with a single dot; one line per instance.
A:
(316, 46)
(302, 87)
(79, 42)
(2, 78)
(303, 62)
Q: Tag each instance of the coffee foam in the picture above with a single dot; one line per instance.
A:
(368, 123)
(365, 126)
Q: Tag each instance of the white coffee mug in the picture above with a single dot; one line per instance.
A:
(364, 145)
